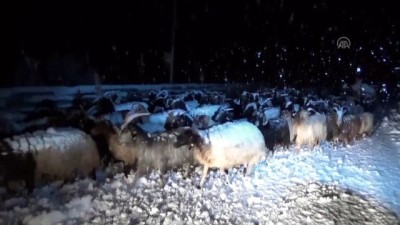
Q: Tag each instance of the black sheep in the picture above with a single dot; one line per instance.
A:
(275, 132)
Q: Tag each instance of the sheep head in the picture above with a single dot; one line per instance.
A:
(188, 136)
(178, 104)
(340, 111)
(223, 114)
(249, 110)
(179, 120)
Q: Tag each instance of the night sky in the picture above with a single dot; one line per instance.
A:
(275, 42)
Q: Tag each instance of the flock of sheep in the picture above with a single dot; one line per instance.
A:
(164, 131)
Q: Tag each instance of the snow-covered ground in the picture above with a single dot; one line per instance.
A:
(357, 184)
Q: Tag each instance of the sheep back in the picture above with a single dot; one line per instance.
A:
(231, 144)
(157, 152)
(58, 153)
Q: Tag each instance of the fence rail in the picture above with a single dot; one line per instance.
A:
(26, 97)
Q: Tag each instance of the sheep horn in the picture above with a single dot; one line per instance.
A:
(129, 119)
(311, 109)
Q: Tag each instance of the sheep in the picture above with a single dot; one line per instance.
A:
(102, 105)
(332, 127)
(156, 151)
(200, 97)
(177, 119)
(140, 150)
(117, 145)
(285, 114)
(309, 130)
(138, 108)
(275, 132)
(250, 112)
(227, 112)
(215, 98)
(178, 104)
(158, 122)
(349, 128)
(349, 125)
(53, 153)
(131, 105)
(367, 123)
(158, 102)
(224, 146)
(244, 99)
(121, 145)
(271, 113)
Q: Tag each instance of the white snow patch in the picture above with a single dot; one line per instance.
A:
(208, 110)
(192, 105)
(51, 217)
(271, 113)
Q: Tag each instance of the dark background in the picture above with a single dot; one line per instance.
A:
(278, 42)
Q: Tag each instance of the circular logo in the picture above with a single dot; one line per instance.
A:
(343, 43)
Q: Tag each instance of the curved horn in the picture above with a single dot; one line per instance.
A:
(311, 109)
(131, 117)
(161, 93)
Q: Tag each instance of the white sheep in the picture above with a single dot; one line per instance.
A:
(55, 153)
(225, 146)
(310, 130)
